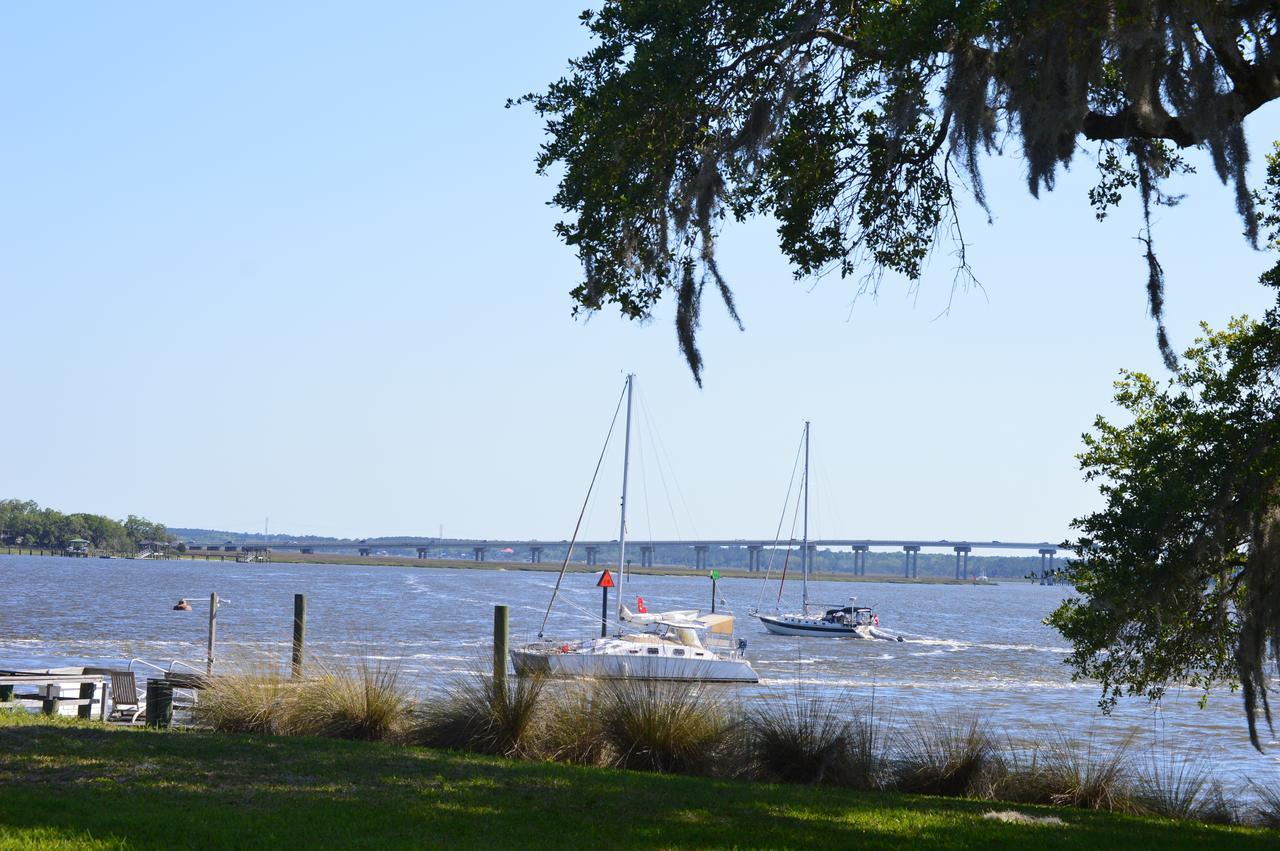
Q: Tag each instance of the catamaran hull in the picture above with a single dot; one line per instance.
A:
(619, 667)
(823, 629)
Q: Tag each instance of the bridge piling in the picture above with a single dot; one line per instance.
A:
(912, 561)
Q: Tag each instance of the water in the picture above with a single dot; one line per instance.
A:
(969, 649)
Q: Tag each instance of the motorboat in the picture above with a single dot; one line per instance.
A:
(677, 646)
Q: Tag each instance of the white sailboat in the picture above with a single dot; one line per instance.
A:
(850, 621)
(681, 646)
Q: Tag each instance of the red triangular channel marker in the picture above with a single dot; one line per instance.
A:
(606, 580)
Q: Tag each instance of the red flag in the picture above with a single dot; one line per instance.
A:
(875, 619)
(640, 606)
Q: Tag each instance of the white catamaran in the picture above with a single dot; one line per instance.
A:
(834, 622)
(680, 645)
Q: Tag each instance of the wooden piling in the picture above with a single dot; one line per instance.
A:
(213, 630)
(299, 632)
(500, 632)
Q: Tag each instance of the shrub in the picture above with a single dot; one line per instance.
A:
(667, 727)
(367, 703)
(477, 715)
(941, 756)
(806, 740)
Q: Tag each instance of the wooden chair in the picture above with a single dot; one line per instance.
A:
(124, 697)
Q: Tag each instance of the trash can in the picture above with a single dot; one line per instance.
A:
(159, 703)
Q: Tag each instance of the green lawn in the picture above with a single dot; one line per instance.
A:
(80, 785)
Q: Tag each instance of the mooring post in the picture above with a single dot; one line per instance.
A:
(500, 648)
(213, 631)
(299, 632)
(715, 574)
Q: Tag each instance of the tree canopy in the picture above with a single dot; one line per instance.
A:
(1179, 572)
(859, 126)
(26, 522)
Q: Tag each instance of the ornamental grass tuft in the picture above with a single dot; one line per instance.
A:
(476, 714)
(368, 703)
(254, 699)
(811, 740)
(941, 756)
(680, 728)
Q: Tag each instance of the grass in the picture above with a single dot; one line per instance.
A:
(68, 784)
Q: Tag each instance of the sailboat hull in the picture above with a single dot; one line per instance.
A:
(817, 627)
(540, 661)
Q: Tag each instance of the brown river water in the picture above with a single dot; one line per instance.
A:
(969, 649)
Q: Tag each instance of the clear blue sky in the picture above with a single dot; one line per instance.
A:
(291, 259)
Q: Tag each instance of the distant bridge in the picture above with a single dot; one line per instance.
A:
(754, 547)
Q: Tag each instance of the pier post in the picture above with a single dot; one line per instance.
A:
(962, 570)
(646, 555)
(700, 556)
(500, 632)
(422, 552)
(213, 631)
(299, 632)
(535, 555)
(753, 558)
(591, 555)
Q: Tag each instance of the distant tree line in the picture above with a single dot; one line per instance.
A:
(25, 522)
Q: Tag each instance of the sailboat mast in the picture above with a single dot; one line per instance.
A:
(804, 549)
(622, 526)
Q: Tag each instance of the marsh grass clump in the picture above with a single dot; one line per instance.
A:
(680, 728)
(1176, 787)
(254, 699)
(367, 702)
(1080, 776)
(1018, 775)
(941, 756)
(570, 729)
(1266, 809)
(811, 740)
(477, 714)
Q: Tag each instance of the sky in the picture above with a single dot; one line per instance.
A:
(290, 263)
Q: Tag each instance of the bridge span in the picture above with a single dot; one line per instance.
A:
(533, 549)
